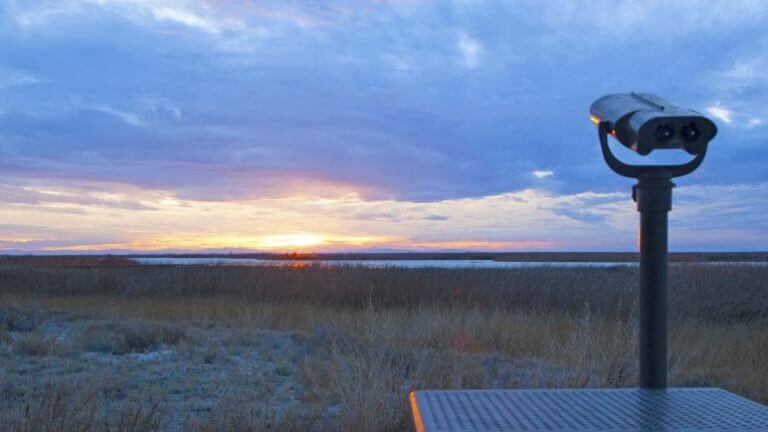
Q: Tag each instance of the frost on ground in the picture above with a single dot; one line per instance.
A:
(215, 375)
(187, 370)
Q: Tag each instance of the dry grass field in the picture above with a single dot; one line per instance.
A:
(150, 348)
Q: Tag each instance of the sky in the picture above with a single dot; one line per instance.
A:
(366, 125)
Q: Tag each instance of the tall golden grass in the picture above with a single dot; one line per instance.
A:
(704, 292)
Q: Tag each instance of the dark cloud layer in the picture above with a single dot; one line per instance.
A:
(410, 100)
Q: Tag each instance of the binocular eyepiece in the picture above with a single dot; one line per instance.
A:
(644, 122)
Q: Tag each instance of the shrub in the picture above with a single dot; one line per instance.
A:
(13, 320)
(37, 345)
(111, 338)
(64, 407)
(129, 337)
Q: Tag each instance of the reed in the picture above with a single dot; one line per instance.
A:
(706, 292)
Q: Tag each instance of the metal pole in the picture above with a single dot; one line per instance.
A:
(654, 200)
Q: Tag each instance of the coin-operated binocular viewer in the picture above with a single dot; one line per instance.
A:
(645, 123)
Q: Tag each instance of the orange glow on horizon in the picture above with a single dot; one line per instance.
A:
(88, 219)
(303, 242)
(294, 242)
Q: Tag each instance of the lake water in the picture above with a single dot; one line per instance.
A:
(394, 263)
(374, 263)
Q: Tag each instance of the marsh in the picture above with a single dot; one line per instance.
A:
(225, 348)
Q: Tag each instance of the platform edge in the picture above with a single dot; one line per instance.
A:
(417, 421)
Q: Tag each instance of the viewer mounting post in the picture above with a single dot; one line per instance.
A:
(644, 123)
(654, 201)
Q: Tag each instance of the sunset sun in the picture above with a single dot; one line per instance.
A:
(290, 241)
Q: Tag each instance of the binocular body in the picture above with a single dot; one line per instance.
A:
(644, 122)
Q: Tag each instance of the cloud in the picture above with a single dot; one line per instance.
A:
(130, 118)
(13, 78)
(630, 20)
(33, 196)
(742, 86)
(470, 50)
(185, 17)
(738, 119)
(260, 100)
(437, 218)
(344, 222)
(416, 103)
(722, 113)
(187, 13)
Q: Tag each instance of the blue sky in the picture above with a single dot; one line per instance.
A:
(365, 125)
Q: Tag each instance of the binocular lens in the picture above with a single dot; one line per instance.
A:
(690, 132)
(665, 133)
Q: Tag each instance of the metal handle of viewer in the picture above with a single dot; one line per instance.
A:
(643, 171)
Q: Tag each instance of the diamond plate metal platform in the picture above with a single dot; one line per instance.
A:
(674, 409)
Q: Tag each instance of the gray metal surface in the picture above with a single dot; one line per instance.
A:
(675, 409)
